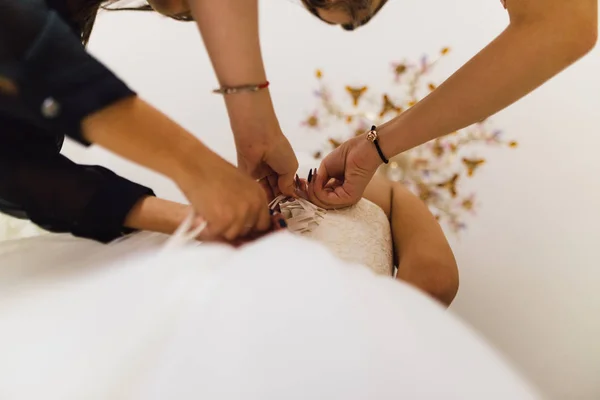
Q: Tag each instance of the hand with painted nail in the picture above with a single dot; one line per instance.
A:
(277, 224)
(344, 174)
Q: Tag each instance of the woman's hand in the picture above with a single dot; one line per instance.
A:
(154, 214)
(269, 159)
(230, 32)
(232, 204)
(263, 150)
(344, 174)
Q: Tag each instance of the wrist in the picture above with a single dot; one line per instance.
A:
(252, 114)
(368, 158)
(402, 133)
(156, 215)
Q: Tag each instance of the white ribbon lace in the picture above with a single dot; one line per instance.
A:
(301, 216)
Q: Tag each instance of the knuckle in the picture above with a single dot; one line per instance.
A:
(224, 220)
(243, 211)
(231, 235)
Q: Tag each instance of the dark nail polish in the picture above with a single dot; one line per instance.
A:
(271, 211)
(310, 173)
(282, 223)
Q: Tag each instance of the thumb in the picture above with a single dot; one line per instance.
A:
(287, 184)
(332, 166)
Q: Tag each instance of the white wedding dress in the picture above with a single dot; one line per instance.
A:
(360, 234)
(281, 318)
(287, 317)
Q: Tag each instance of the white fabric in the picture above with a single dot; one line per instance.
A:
(278, 319)
(359, 234)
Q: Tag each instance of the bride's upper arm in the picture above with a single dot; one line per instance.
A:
(379, 191)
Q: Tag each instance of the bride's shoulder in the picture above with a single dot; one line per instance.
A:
(379, 192)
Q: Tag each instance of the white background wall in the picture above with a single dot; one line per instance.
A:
(529, 262)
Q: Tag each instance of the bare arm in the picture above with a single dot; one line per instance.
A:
(157, 215)
(229, 29)
(423, 255)
(137, 131)
(543, 38)
(133, 129)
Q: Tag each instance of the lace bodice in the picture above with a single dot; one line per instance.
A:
(358, 234)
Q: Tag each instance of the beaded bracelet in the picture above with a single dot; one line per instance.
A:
(372, 137)
(224, 90)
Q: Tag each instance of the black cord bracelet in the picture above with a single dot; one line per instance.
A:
(372, 137)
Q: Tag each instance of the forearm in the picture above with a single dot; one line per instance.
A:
(230, 32)
(528, 53)
(135, 130)
(229, 29)
(156, 215)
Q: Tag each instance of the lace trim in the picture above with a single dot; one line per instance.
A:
(301, 215)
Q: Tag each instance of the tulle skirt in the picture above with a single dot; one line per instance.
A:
(281, 318)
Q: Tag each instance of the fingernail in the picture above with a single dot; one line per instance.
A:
(282, 223)
(271, 211)
(310, 173)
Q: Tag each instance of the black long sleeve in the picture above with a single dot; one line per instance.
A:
(59, 82)
(61, 196)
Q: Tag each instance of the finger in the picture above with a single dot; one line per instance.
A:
(333, 183)
(334, 165)
(278, 222)
(263, 220)
(333, 199)
(272, 179)
(310, 191)
(322, 176)
(286, 184)
(210, 234)
(249, 225)
(283, 161)
(267, 187)
(332, 195)
(302, 190)
(325, 176)
(236, 229)
(321, 188)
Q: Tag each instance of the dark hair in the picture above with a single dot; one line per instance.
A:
(86, 17)
(352, 7)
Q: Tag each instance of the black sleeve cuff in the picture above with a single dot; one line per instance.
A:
(103, 217)
(63, 83)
